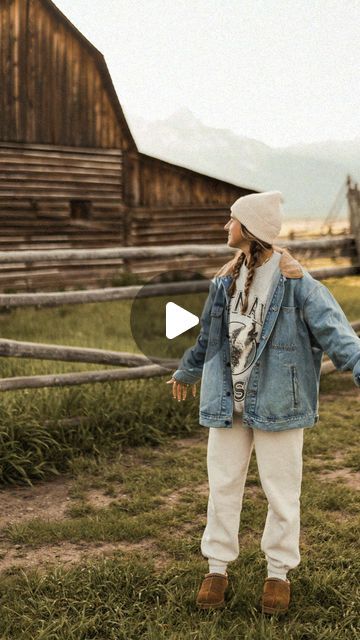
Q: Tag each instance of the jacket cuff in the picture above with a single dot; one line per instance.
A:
(187, 377)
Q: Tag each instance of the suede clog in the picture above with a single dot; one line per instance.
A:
(276, 595)
(211, 592)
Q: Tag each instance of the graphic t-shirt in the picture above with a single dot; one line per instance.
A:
(245, 329)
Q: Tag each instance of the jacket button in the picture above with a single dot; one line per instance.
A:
(228, 393)
(227, 421)
(228, 364)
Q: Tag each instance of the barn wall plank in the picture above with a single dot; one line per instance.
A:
(38, 184)
(54, 89)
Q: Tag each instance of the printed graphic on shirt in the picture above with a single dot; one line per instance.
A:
(243, 345)
(244, 332)
(245, 328)
(244, 336)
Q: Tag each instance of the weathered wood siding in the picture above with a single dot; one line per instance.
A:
(64, 139)
(178, 225)
(154, 183)
(37, 185)
(170, 204)
(54, 85)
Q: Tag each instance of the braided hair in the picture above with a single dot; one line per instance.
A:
(257, 247)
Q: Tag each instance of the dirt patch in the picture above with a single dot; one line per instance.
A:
(335, 396)
(253, 491)
(173, 498)
(339, 516)
(338, 455)
(199, 440)
(48, 500)
(100, 500)
(45, 500)
(67, 553)
(51, 501)
(347, 474)
(350, 477)
(192, 529)
(322, 459)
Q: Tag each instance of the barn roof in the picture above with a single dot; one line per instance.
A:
(101, 64)
(105, 74)
(195, 173)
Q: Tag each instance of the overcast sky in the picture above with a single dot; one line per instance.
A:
(280, 71)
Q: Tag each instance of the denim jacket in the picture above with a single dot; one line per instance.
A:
(302, 321)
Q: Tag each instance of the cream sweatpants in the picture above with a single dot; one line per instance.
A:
(279, 461)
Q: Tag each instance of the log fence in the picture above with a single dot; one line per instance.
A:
(139, 366)
(342, 246)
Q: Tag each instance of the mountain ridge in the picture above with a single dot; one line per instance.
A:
(309, 175)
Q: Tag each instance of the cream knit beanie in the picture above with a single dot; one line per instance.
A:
(261, 213)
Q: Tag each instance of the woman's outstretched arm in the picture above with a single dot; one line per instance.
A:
(332, 330)
(192, 362)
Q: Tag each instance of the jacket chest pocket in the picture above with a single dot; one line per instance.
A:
(216, 322)
(283, 337)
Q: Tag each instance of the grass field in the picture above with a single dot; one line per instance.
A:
(110, 549)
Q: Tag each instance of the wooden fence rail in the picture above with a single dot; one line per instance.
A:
(13, 348)
(86, 377)
(39, 351)
(58, 298)
(54, 255)
(345, 245)
(139, 364)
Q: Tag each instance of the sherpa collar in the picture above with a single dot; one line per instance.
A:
(289, 267)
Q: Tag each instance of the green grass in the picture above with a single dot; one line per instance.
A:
(158, 497)
(124, 412)
(34, 444)
(127, 449)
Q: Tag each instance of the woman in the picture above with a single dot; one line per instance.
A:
(264, 328)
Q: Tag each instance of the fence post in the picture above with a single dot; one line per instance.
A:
(127, 231)
(353, 197)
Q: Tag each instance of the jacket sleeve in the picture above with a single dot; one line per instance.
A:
(332, 331)
(192, 362)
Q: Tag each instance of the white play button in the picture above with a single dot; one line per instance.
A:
(178, 320)
(163, 330)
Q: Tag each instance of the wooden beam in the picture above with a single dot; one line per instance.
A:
(58, 352)
(165, 252)
(335, 272)
(100, 295)
(54, 299)
(40, 351)
(87, 377)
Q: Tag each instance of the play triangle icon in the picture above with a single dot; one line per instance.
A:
(178, 320)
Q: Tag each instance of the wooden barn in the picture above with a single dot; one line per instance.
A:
(71, 174)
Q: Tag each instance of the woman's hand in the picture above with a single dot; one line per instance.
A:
(179, 389)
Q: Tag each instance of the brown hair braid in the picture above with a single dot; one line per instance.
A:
(233, 267)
